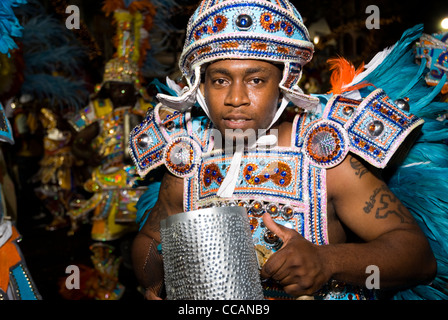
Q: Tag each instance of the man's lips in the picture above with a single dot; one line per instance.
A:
(236, 122)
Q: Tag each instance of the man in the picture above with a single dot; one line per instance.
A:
(315, 209)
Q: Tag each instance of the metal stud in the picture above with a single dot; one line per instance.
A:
(244, 22)
(287, 212)
(143, 141)
(169, 125)
(272, 239)
(376, 128)
(273, 210)
(347, 111)
(403, 104)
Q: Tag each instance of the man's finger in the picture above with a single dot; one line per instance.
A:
(281, 231)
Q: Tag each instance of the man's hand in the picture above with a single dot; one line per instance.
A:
(297, 266)
(151, 295)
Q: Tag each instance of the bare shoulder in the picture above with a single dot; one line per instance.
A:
(351, 173)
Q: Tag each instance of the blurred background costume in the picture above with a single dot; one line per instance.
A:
(103, 126)
(16, 282)
(101, 142)
(368, 113)
(49, 62)
(57, 178)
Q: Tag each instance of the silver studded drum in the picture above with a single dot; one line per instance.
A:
(209, 254)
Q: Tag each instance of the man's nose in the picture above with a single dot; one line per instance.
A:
(237, 96)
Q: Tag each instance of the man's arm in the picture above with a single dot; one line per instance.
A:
(147, 261)
(392, 240)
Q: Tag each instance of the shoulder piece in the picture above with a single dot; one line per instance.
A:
(372, 128)
(176, 141)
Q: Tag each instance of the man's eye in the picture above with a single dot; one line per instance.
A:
(219, 81)
(257, 81)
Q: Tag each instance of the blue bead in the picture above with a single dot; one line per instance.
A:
(207, 180)
(247, 176)
(283, 174)
(218, 20)
(282, 181)
(207, 171)
(214, 173)
(267, 176)
(219, 179)
(257, 180)
(215, 29)
(250, 168)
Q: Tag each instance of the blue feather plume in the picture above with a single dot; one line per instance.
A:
(53, 59)
(420, 182)
(9, 25)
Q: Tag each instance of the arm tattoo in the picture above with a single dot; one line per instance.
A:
(360, 170)
(388, 204)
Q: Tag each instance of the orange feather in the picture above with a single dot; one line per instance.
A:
(343, 74)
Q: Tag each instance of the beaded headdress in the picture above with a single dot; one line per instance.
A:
(269, 30)
(433, 49)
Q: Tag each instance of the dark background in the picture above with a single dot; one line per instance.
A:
(48, 253)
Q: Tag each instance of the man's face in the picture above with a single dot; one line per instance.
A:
(242, 94)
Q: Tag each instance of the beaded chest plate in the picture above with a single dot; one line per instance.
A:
(278, 181)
